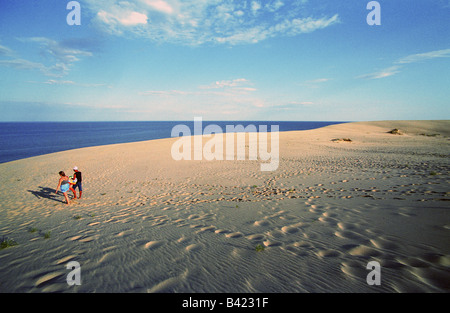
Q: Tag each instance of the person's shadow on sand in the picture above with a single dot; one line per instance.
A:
(45, 192)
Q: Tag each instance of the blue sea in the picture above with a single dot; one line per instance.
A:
(19, 140)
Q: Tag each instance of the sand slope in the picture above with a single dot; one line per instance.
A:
(148, 223)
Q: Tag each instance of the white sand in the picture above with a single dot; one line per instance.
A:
(147, 223)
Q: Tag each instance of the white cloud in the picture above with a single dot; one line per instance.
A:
(160, 6)
(197, 22)
(272, 7)
(255, 6)
(286, 28)
(127, 18)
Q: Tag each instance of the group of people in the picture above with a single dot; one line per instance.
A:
(66, 183)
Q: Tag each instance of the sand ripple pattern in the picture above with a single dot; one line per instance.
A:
(311, 226)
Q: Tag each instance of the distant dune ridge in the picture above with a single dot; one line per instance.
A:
(148, 223)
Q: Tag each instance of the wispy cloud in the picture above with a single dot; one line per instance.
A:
(59, 82)
(318, 80)
(22, 64)
(72, 83)
(424, 56)
(199, 22)
(238, 86)
(315, 83)
(413, 58)
(223, 97)
(390, 71)
(63, 56)
(58, 50)
(287, 105)
(167, 93)
(5, 51)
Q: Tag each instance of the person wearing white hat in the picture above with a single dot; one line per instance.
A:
(79, 179)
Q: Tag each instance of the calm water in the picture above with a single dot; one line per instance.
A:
(20, 140)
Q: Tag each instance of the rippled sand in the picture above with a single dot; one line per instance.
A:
(147, 223)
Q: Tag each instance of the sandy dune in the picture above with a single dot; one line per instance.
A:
(147, 223)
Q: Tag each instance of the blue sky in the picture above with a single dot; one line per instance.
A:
(224, 60)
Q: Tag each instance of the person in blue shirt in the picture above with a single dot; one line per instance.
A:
(64, 185)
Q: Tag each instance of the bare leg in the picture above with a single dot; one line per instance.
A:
(67, 198)
(80, 194)
(74, 192)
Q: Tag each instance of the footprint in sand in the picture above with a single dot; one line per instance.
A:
(261, 223)
(291, 229)
(364, 251)
(289, 217)
(318, 211)
(303, 245)
(272, 243)
(153, 244)
(348, 234)
(329, 214)
(328, 220)
(382, 243)
(389, 263)
(194, 247)
(328, 253)
(276, 234)
(196, 226)
(183, 239)
(256, 237)
(295, 250)
(124, 233)
(347, 226)
(206, 229)
(222, 231)
(234, 235)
